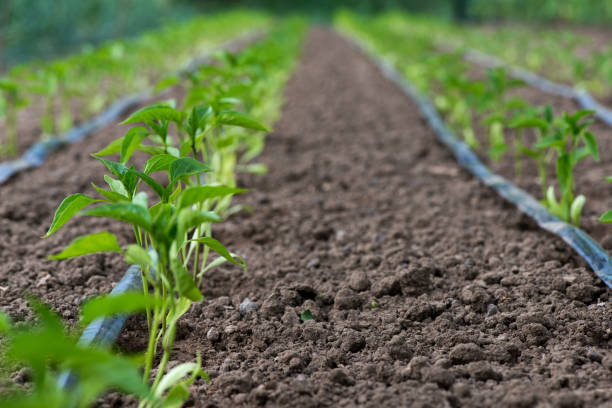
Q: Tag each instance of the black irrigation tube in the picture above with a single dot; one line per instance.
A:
(36, 154)
(581, 242)
(583, 98)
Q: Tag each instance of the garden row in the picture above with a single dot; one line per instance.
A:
(169, 179)
(42, 100)
(541, 138)
(577, 58)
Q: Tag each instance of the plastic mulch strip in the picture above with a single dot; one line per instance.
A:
(583, 98)
(582, 243)
(36, 155)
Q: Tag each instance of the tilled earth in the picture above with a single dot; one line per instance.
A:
(426, 288)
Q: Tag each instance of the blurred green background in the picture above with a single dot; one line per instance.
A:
(41, 29)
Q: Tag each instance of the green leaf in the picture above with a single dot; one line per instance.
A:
(113, 147)
(591, 144)
(306, 315)
(155, 112)
(186, 166)
(185, 284)
(135, 254)
(158, 188)
(606, 217)
(110, 195)
(235, 118)
(67, 209)
(131, 141)
(576, 209)
(220, 249)
(197, 194)
(175, 376)
(89, 244)
(116, 186)
(160, 162)
(117, 169)
(550, 141)
(188, 219)
(564, 171)
(125, 303)
(132, 213)
(529, 123)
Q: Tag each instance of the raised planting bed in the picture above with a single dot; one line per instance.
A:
(425, 287)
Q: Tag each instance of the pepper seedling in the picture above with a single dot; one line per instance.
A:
(571, 142)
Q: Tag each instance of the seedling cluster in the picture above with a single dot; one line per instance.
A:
(193, 149)
(93, 79)
(487, 104)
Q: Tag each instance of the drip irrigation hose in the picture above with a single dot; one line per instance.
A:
(103, 332)
(597, 258)
(36, 154)
(583, 98)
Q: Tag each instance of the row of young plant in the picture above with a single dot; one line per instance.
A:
(194, 149)
(558, 54)
(468, 102)
(97, 77)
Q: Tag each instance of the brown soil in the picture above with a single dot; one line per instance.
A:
(473, 305)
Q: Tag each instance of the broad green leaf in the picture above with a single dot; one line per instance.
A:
(110, 195)
(158, 188)
(576, 209)
(131, 141)
(155, 112)
(89, 244)
(197, 194)
(185, 285)
(591, 144)
(175, 376)
(235, 118)
(564, 171)
(176, 396)
(220, 249)
(160, 162)
(136, 254)
(550, 141)
(188, 219)
(529, 123)
(116, 186)
(111, 304)
(186, 166)
(113, 147)
(166, 82)
(131, 213)
(67, 209)
(606, 217)
(117, 169)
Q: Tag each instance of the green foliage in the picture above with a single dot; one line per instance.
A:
(194, 147)
(47, 349)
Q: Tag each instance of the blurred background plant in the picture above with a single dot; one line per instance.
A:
(41, 29)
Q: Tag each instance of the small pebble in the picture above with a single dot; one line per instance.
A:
(213, 334)
(492, 310)
(247, 304)
(313, 263)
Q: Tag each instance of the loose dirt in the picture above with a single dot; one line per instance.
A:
(426, 288)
